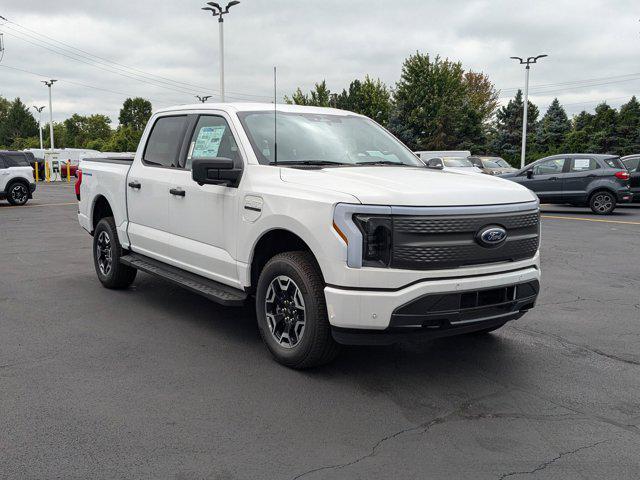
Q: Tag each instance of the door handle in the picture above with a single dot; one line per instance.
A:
(177, 191)
(135, 185)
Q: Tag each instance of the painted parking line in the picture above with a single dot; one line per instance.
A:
(43, 205)
(559, 217)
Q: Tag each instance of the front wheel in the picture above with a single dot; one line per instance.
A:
(602, 203)
(18, 194)
(106, 256)
(292, 313)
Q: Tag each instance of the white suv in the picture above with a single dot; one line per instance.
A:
(16, 178)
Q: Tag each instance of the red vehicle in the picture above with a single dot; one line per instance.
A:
(63, 169)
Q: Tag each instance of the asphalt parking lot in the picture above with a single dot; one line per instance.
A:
(156, 382)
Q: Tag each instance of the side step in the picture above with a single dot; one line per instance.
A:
(211, 289)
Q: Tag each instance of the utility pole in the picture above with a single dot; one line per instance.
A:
(203, 99)
(1, 44)
(526, 62)
(217, 11)
(49, 83)
(39, 110)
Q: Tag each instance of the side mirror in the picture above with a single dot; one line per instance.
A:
(215, 171)
(435, 163)
(530, 173)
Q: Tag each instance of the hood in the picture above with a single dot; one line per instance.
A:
(411, 186)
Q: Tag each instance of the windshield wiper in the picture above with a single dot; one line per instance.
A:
(382, 162)
(308, 162)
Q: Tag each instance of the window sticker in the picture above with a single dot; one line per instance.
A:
(581, 163)
(208, 142)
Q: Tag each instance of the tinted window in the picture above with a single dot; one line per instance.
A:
(457, 162)
(16, 160)
(549, 167)
(613, 162)
(1, 162)
(212, 138)
(583, 164)
(164, 142)
(632, 164)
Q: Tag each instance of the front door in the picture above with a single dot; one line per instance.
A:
(148, 185)
(546, 180)
(203, 218)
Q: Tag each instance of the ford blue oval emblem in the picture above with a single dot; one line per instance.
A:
(491, 236)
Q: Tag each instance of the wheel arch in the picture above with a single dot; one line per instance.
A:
(100, 209)
(271, 243)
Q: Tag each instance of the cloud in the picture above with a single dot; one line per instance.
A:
(309, 40)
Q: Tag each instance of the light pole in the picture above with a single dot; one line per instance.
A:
(39, 110)
(526, 62)
(49, 83)
(217, 11)
(203, 99)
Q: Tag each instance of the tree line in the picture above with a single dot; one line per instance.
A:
(19, 128)
(436, 104)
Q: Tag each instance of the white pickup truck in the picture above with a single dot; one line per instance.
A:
(337, 230)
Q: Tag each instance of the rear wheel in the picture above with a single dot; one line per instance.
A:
(18, 193)
(106, 256)
(602, 202)
(292, 313)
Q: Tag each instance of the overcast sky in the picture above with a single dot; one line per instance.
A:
(593, 47)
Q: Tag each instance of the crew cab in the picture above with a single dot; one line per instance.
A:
(17, 183)
(337, 231)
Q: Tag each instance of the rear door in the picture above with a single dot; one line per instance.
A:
(575, 183)
(546, 180)
(203, 219)
(633, 165)
(148, 185)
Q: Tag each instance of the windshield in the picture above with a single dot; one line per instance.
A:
(456, 162)
(323, 138)
(490, 164)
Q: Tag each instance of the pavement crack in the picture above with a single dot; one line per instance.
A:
(546, 464)
(566, 342)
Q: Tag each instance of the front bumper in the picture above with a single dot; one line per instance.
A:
(433, 308)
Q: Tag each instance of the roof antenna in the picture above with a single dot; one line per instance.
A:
(275, 116)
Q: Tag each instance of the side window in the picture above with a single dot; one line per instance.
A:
(549, 167)
(2, 165)
(163, 145)
(632, 164)
(16, 161)
(212, 138)
(583, 165)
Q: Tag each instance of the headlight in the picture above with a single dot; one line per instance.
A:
(376, 239)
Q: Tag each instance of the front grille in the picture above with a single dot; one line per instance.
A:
(438, 242)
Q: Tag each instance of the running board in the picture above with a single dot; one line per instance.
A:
(215, 291)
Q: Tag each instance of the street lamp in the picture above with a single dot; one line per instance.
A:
(526, 62)
(203, 99)
(217, 11)
(49, 83)
(39, 110)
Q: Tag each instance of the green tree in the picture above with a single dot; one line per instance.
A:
(17, 123)
(578, 138)
(604, 137)
(552, 129)
(628, 128)
(507, 131)
(438, 106)
(81, 130)
(320, 96)
(59, 135)
(135, 113)
(369, 97)
(125, 139)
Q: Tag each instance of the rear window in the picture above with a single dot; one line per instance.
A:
(614, 162)
(632, 164)
(165, 141)
(457, 162)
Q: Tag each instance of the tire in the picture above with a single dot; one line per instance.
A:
(106, 256)
(18, 193)
(299, 336)
(602, 202)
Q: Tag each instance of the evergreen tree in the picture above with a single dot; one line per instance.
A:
(603, 135)
(320, 96)
(17, 123)
(507, 131)
(552, 129)
(578, 138)
(370, 97)
(628, 128)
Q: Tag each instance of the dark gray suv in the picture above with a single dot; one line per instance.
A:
(599, 181)
(632, 162)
